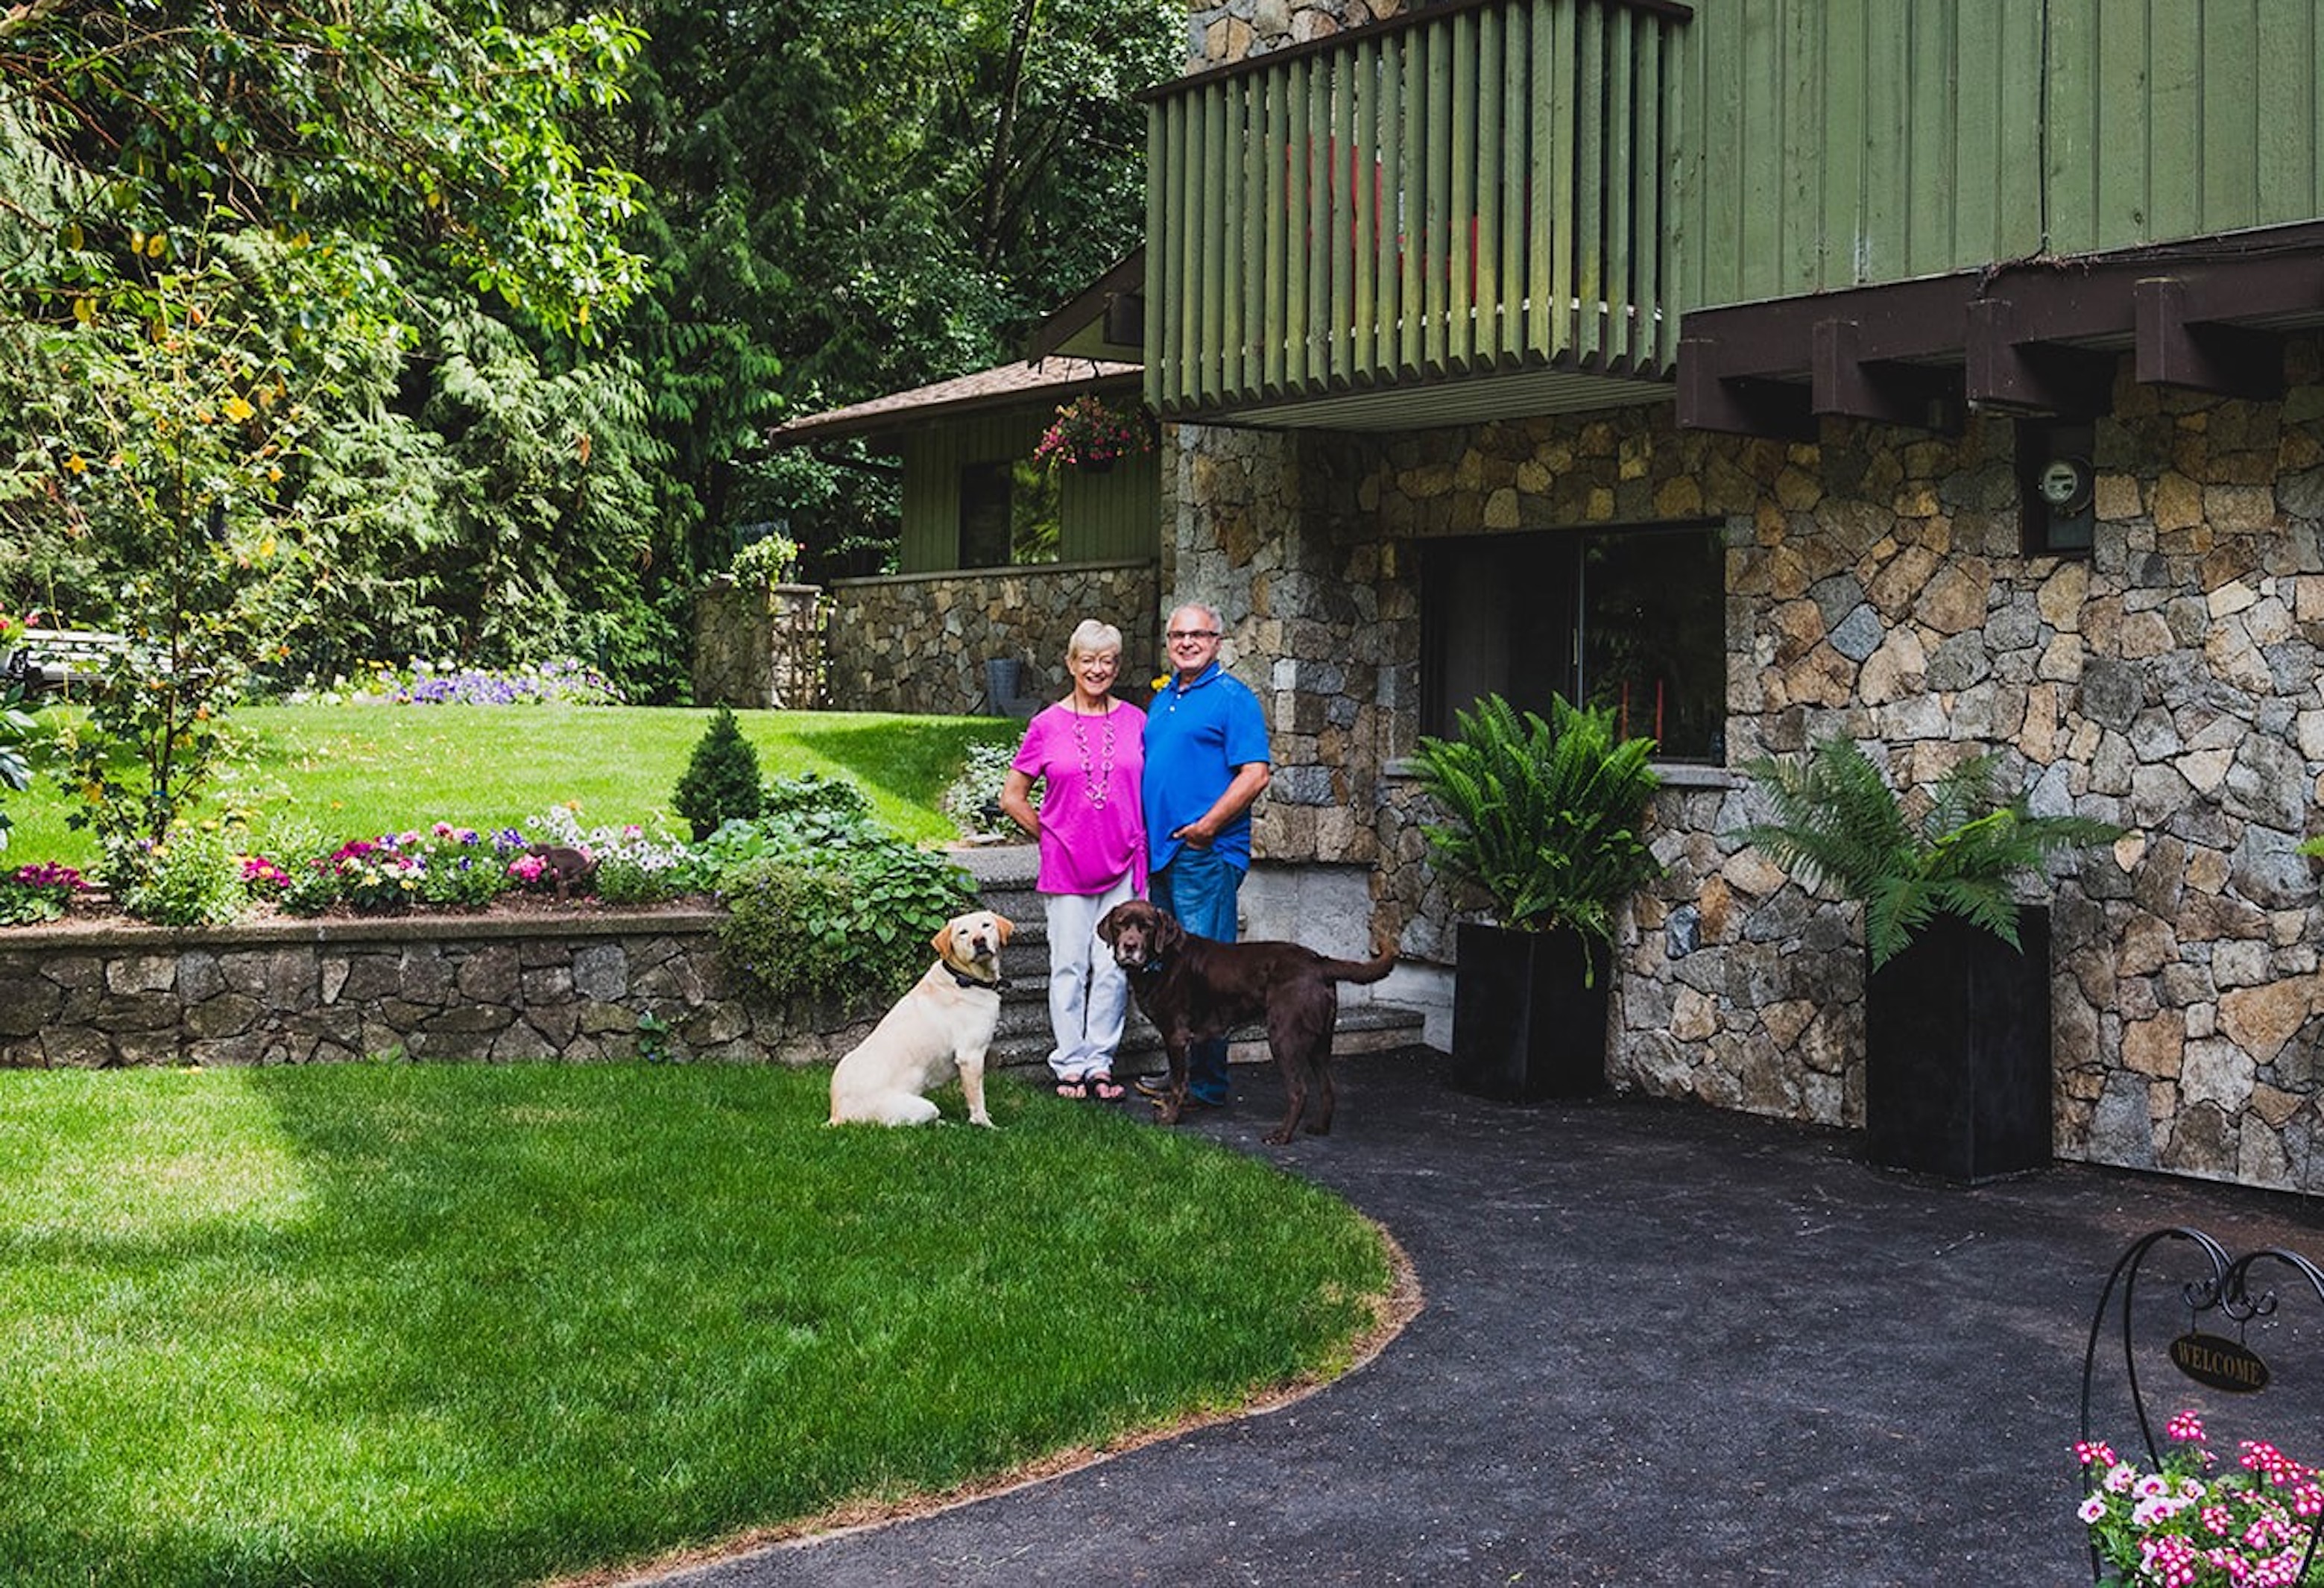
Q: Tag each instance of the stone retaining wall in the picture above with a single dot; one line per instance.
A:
(918, 642)
(758, 646)
(437, 987)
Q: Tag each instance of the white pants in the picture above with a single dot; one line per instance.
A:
(1089, 996)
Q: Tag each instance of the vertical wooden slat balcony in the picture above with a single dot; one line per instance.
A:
(1461, 246)
(1480, 189)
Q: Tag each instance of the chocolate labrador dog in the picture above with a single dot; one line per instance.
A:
(1192, 988)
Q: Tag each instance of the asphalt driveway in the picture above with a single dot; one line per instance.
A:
(1658, 1345)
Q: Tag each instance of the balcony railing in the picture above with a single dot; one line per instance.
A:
(1479, 189)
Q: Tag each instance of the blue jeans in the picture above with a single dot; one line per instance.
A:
(1199, 889)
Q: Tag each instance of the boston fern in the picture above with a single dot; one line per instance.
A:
(1837, 821)
(1544, 816)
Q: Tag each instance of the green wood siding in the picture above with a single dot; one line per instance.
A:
(1106, 518)
(2178, 118)
(1499, 186)
(1852, 142)
(1477, 192)
(1848, 142)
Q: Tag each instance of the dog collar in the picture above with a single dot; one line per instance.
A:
(994, 986)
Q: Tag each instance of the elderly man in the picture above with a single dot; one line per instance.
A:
(1206, 761)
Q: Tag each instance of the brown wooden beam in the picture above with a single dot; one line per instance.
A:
(2010, 368)
(1744, 405)
(2176, 348)
(1843, 380)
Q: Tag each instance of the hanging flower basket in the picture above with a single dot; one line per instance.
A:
(1089, 434)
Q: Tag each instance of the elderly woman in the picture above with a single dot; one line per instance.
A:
(1086, 751)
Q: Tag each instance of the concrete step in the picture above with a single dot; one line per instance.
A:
(1004, 873)
(1023, 1037)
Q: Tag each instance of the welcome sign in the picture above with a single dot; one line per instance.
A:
(2220, 1362)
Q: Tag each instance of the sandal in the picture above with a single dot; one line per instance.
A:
(1072, 1091)
(1106, 1089)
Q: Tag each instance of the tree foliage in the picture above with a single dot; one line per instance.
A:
(543, 280)
(431, 123)
(862, 197)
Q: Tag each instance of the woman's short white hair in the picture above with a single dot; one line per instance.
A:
(1092, 638)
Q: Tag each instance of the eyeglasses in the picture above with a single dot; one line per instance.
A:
(1174, 635)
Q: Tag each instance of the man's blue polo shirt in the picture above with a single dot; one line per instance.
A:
(1196, 735)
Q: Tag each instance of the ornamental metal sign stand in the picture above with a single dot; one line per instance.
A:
(2213, 1349)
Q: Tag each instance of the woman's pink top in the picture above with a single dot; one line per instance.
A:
(1092, 834)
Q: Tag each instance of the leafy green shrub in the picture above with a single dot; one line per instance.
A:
(770, 560)
(844, 916)
(1542, 817)
(973, 800)
(721, 783)
(192, 878)
(812, 806)
(1837, 820)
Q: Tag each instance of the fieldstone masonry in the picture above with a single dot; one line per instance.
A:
(918, 642)
(758, 646)
(2169, 683)
(498, 989)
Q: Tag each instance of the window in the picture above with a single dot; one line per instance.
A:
(1630, 619)
(1008, 514)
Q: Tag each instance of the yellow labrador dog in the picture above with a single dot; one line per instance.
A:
(944, 1024)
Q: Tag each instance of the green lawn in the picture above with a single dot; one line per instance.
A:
(359, 770)
(450, 1325)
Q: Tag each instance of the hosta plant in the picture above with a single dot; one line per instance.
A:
(1838, 822)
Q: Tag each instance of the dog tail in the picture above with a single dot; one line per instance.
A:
(1360, 970)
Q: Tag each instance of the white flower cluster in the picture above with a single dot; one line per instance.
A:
(630, 843)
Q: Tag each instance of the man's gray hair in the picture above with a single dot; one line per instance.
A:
(1209, 613)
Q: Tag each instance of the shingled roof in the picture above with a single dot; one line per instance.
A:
(1008, 386)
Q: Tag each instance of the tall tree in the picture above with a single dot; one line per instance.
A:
(219, 214)
(864, 197)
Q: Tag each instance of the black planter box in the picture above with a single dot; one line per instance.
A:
(1956, 1077)
(1525, 1027)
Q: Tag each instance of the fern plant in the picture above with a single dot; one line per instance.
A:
(1837, 821)
(1542, 816)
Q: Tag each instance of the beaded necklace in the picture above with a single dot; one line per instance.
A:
(1096, 782)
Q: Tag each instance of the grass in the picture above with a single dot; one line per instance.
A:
(357, 771)
(454, 1325)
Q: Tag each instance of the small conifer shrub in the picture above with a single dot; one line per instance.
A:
(721, 783)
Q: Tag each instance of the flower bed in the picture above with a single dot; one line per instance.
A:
(2189, 1524)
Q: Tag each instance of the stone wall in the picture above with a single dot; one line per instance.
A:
(490, 988)
(1875, 585)
(758, 646)
(1238, 29)
(918, 642)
